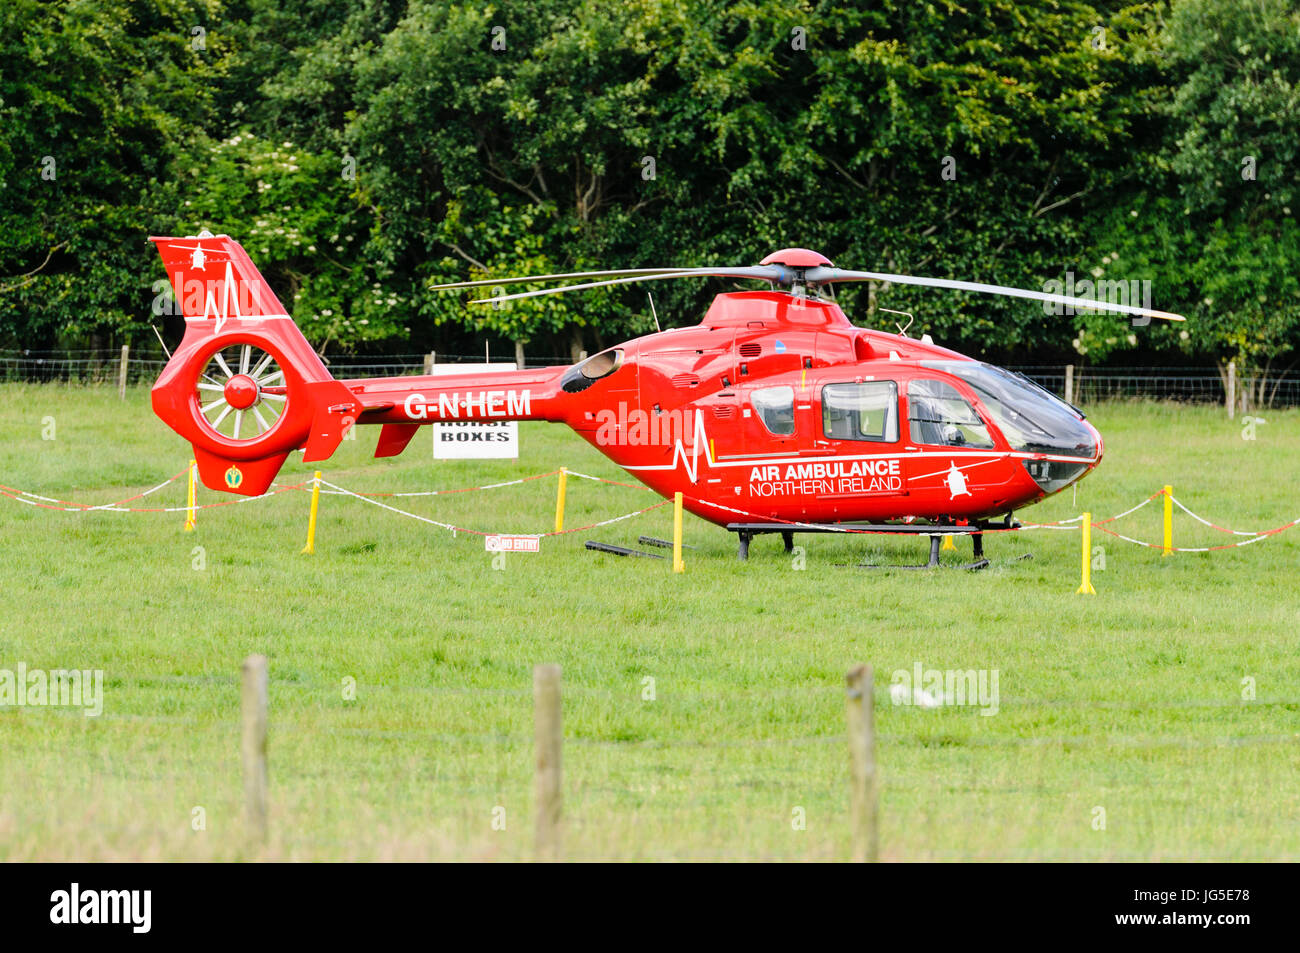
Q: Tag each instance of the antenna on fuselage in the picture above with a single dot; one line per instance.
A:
(161, 341)
(907, 314)
(653, 311)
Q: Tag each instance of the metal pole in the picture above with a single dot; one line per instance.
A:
(678, 564)
(1169, 520)
(191, 497)
(1085, 530)
(311, 519)
(560, 494)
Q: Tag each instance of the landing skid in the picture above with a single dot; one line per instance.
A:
(745, 533)
(933, 563)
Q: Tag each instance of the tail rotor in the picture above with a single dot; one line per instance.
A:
(242, 394)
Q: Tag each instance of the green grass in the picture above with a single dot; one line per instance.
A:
(1129, 701)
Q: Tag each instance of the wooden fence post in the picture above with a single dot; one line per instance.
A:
(429, 360)
(862, 763)
(121, 372)
(1232, 389)
(253, 705)
(1069, 383)
(548, 743)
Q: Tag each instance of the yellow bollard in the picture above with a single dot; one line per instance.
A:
(678, 565)
(559, 500)
(311, 520)
(948, 543)
(1086, 531)
(190, 498)
(1169, 520)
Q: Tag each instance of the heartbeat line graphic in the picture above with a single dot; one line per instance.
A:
(699, 442)
(224, 304)
(226, 300)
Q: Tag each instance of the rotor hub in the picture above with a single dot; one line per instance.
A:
(241, 392)
(797, 258)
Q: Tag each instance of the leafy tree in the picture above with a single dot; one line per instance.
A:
(1213, 226)
(94, 98)
(365, 151)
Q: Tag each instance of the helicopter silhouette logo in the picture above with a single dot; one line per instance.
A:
(956, 481)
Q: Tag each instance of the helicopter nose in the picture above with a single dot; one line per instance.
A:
(1098, 441)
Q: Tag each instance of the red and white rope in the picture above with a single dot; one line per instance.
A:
(24, 496)
(1234, 532)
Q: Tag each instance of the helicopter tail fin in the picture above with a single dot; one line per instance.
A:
(244, 386)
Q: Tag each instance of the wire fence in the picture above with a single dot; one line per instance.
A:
(104, 365)
(1089, 385)
(635, 775)
(1204, 385)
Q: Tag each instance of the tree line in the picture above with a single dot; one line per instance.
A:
(364, 151)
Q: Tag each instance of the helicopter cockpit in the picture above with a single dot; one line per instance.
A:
(1032, 420)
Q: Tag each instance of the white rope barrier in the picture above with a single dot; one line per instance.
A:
(341, 491)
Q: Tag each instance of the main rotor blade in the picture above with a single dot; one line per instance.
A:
(775, 273)
(823, 275)
(557, 277)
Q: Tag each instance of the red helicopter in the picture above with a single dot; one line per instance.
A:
(774, 414)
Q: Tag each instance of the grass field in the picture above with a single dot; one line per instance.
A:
(1130, 701)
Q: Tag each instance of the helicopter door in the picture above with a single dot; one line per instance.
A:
(940, 419)
(858, 412)
(857, 436)
(939, 416)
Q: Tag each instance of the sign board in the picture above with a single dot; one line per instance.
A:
(497, 440)
(512, 544)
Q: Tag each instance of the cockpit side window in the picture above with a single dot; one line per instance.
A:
(863, 411)
(938, 415)
(775, 408)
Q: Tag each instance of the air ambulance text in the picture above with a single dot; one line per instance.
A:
(829, 477)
